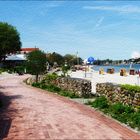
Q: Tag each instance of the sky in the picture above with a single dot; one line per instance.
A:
(102, 29)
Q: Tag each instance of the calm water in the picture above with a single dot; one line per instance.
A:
(117, 68)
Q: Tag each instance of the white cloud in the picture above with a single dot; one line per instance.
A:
(121, 9)
(135, 54)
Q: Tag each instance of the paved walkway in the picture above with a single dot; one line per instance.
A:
(37, 114)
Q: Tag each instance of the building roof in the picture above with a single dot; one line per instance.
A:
(29, 49)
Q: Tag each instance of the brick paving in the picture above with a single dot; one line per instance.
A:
(38, 114)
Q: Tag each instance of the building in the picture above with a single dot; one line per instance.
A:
(13, 60)
(27, 50)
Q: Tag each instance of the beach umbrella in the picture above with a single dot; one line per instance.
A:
(90, 60)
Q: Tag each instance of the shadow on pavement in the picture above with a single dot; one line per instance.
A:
(6, 113)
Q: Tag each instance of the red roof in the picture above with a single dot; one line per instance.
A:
(29, 49)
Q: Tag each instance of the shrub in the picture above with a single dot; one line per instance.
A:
(134, 120)
(19, 69)
(36, 85)
(50, 77)
(48, 87)
(123, 113)
(119, 108)
(43, 86)
(131, 88)
(53, 88)
(65, 69)
(69, 94)
(100, 102)
(1, 70)
(120, 112)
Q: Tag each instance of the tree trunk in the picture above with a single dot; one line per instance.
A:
(36, 78)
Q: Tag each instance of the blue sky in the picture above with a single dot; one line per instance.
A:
(103, 29)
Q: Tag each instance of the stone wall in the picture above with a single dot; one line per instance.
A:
(79, 86)
(32, 79)
(115, 93)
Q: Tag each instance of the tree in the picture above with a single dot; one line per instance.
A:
(9, 39)
(72, 59)
(55, 57)
(36, 63)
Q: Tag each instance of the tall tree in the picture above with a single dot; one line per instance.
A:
(36, 63)
(72, 59)
(9, 39)
(55, 57)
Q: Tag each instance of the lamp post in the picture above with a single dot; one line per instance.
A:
(77, 58)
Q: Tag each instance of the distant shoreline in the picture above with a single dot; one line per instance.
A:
(117, 68)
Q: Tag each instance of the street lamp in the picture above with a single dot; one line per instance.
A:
(77, 58)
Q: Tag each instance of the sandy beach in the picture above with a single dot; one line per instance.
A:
(95, 78)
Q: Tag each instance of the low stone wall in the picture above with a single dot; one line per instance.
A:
(115, 93)
(78, 86)
(32, 79)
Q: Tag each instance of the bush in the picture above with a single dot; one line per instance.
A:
(101, 103)
(119, 108)
(1, 70)
(50, 77)
(134, 120)
(131, 88)
(53, 88)
(123, 113)
(36, 85)
(19, 69)
(43, 86)
(69, 94)
(48, 87)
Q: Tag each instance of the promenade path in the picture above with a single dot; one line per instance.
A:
(38, 114)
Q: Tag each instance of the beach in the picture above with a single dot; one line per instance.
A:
(115, 78)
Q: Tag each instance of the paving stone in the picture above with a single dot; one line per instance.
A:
(38, 114)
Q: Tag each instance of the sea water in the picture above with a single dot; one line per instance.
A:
(117, 67)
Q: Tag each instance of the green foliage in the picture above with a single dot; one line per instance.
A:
(119, 108)
(131, 88)
(36, 85)
(69, 94)
(9, 39)
(19, 69)
(50, 77)
(53, 88)
(134, 120)
(100, 102)
(72, 59)
(59, 59)
(123, 113)
(1, 70)
(55, 57)
(36, 63)
(65, 69)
